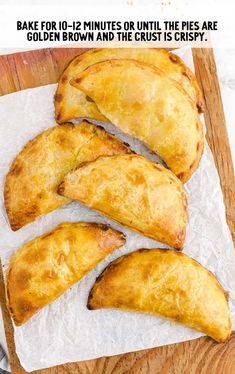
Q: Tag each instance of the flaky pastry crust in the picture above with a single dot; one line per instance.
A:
(134, 191)
(143, 102)
(35, 174)
(44, 268)
(71, 103)
(168, 284)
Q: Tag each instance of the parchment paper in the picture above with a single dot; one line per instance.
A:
(65, 330)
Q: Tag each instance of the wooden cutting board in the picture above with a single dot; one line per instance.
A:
(36, 68)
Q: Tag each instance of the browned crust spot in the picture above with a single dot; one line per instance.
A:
(173, 58)
(58, 97)
(58, 116)
(187, 72)
(61, 189)
(16, 169)
(187, 75)
(200, 106)
(89, 99)
(22, 278)
(181, 238)
(185, 176)
(64, 79)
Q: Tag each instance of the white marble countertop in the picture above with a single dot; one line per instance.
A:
(225, 61)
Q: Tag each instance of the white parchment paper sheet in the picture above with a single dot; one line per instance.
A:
(65, 330)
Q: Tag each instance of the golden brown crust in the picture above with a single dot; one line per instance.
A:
(44, 268)
(186, 175)
(144, 103)
(197, 95)
(32, 181)
(70, 103)
(166, 283)
(135, 192)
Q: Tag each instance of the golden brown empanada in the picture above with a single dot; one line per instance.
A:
(143, 102)
(71, 103)
(135, 192)
(32, 181)
(168, 284)
(44, 268)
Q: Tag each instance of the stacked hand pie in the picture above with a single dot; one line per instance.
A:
(148, 94)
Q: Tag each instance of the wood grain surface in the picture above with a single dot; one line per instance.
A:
(35, 68)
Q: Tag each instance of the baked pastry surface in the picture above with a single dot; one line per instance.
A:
(44, 268)
(71, 103)
(32, 181)
(134, 191)
(143, 102)
(165, 283)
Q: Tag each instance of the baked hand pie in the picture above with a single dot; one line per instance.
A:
(71, 103)
(168, 284)
(135, 192)
(32, 181)
(44, 268)
(143, 102)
